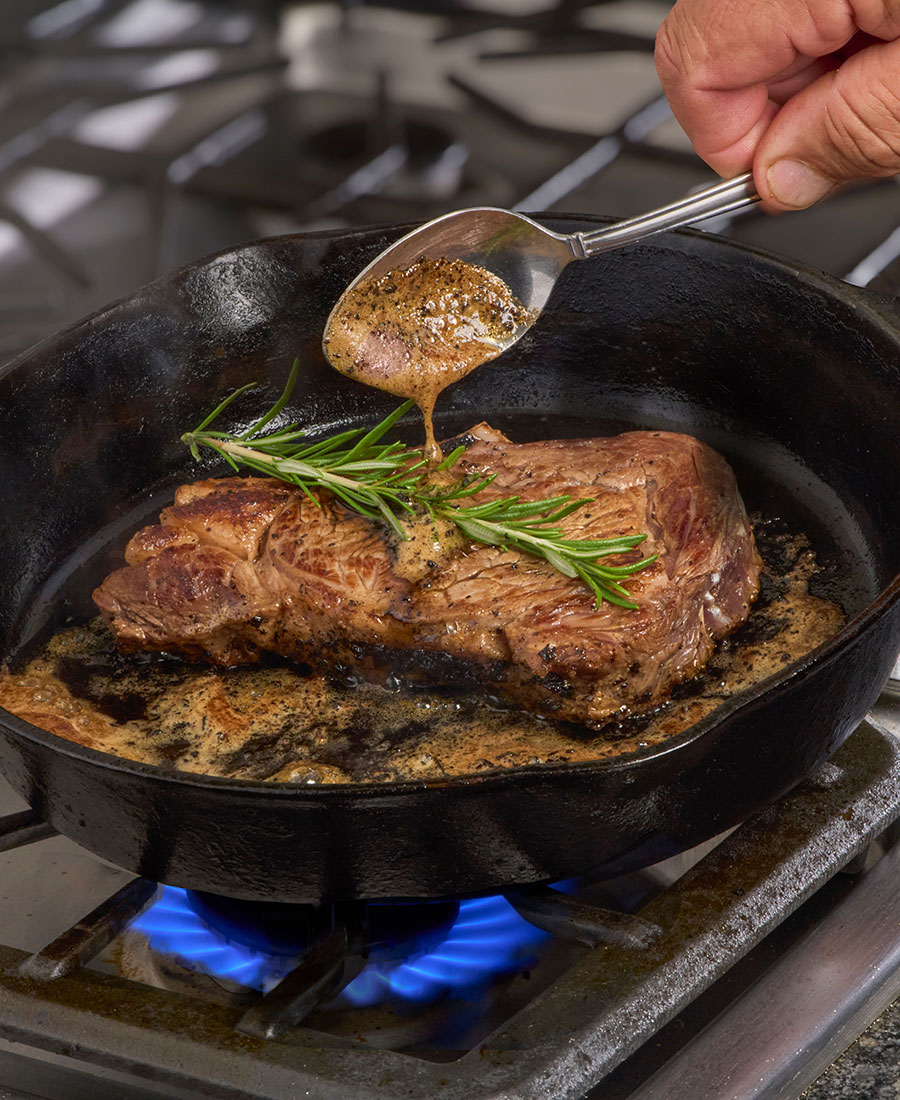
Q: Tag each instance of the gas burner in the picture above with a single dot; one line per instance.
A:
(266, 927)
(402, 157)
(323, 155)
(376, 931)
(408, 951)
(347, 145)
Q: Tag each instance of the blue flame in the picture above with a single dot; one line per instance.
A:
(488, 939)
(173, 927)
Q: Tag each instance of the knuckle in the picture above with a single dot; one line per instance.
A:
(865, 128)
(877, 17)
(680, 48)
(668, 52)
(831, 25)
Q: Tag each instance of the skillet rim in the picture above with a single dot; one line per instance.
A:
(876, 309)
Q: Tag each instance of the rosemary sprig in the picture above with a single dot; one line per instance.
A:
(388, 482)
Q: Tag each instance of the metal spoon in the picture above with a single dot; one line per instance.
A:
(530, 258)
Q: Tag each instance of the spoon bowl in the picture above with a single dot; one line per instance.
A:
(530, 258)
(526, 256)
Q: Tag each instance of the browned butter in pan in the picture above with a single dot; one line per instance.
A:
(412, 332)
(280, 723)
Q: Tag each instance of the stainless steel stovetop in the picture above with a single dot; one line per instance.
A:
(136, 135)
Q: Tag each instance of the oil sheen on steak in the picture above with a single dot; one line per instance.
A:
(243, 565)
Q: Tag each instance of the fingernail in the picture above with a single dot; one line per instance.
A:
(796, 184)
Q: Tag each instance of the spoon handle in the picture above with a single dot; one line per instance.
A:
(721, 198)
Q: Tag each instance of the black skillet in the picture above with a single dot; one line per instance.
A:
(794, 376)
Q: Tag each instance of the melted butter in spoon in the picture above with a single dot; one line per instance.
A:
(413, 332)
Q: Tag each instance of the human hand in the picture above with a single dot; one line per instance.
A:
(804, 92)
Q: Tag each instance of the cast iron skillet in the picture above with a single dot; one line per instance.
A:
(792, 375)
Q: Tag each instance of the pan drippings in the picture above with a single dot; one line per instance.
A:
(281, 723)
(413, 332)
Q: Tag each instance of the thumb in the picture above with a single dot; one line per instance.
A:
(843, 126)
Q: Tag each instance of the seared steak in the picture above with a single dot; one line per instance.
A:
(243, 565)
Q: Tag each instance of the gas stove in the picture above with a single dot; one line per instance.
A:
(137, 135)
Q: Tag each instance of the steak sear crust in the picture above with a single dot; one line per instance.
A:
(239, 566)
